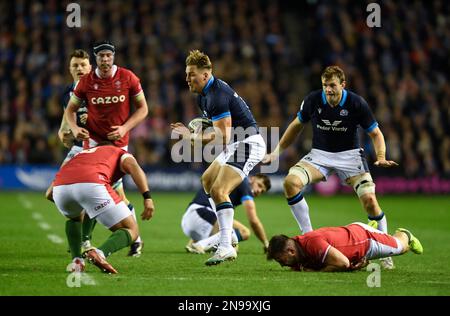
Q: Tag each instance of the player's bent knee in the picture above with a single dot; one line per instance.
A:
(292, 183)
(132, 229)
(302, 174)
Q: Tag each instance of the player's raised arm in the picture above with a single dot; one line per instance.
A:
(380, 149)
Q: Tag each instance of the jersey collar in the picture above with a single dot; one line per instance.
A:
(114, 70)
(208, 85)
(343, 98)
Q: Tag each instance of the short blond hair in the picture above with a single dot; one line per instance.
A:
(333, 71)
(199, 59)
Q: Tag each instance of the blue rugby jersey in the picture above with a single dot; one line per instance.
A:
(335, 129)
(218, 100)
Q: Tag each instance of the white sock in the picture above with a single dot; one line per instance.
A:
(213, 240)
(225, 216)
(382, 222)
(133, 212)
(208, 242)
(300, 210)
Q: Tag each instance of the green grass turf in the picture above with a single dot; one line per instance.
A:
(30, 264)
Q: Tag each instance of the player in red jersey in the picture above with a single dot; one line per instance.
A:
(84, 183)
(108, 92)
(343, 248)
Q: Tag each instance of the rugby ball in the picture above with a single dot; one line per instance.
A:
(199, 123)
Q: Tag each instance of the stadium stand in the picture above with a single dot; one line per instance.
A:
(271, 53)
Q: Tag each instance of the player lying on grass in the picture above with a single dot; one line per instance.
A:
(84, 183)
(344, 248)
(200, 221)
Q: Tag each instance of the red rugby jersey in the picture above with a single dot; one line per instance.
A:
(95, 165)
(352, 240)
(108, 101)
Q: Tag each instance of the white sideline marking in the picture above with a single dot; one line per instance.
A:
(55, 239)
(44, 225)
(36, 216)
(40, 220)
(25, 201)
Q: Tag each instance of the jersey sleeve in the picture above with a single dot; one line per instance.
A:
(245, 191)
(316, 249)
(135, 85)
(367, 119)
(304, 115)
(121, 156)
(220, 107)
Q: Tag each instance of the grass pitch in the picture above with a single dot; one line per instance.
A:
(33, 252)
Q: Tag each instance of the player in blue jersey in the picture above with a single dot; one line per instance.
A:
(79, 65)
(335, 114)
(200, 221)
(234, 128)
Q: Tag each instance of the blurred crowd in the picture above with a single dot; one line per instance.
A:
(271, 53)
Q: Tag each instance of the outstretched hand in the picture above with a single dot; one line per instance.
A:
(180, 129)
(268, 158)
(149, 208)
(385, 163)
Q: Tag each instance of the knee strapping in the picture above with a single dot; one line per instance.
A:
(302, 173)
(364, 186)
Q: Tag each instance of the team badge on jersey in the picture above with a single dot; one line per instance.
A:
(96, 86)
(343, 112)
(319, 110)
